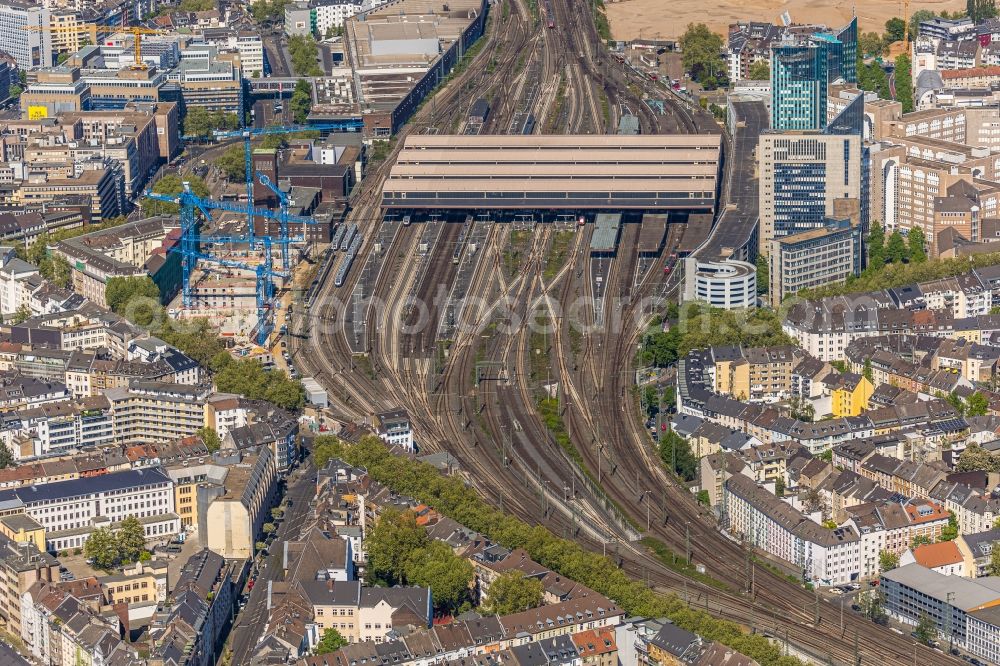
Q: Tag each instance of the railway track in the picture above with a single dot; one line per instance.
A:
(492, 425)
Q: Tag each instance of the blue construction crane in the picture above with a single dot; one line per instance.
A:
(283, 217)
(190, 242)
(346, 125)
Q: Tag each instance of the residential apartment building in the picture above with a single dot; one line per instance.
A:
(367, 613)
(22, 564)
(814, 258)
(235, 518)
(58, 628)
(157, 411)
(188, 629)
(826, 556)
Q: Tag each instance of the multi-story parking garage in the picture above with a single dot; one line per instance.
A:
(655, 173)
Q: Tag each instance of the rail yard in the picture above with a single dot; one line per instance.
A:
(510, 338)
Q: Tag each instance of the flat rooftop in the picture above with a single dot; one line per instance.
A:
(669, 172)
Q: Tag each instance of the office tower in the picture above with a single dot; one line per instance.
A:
(802, 68)
(30, 48)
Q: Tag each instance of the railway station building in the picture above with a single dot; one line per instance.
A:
(667, 174)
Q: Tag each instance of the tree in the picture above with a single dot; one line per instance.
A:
(872, 605)
(22, 314)
(6, 457)
(124, 293)
(269, 528)
(904, 83)
(131, 536)
(993, 568)
(394, 537)
(926, 630)
(980, 10)
(704, 498)
(447, 575)
(268, 10)
(870, 44)
(763, 274)
(172, 184)
(887, 561)
(876, 245)
(102, 547)
(513, 592)
(304, 52)
(955, 400)
(977, 405)
(326, 448)
(232, 162)
(58, 270)
(868, 373)
(330, 642)
(920, 540)
(895, 250)
(950, 531)
(895, 29)
(211, 438)
(676, 455)
(196, 5)
(760, 70)
(15, 90)
(301, 102)
(779, 486)
(200, 121)
(916, 243)
(702, 52)
(277, 512)
(977, 459)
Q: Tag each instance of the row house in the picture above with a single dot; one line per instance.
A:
(826, 556)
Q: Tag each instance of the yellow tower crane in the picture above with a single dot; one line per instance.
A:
(92, 29)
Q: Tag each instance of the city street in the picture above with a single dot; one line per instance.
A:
(251, 622)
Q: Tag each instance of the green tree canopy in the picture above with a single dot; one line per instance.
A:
(760, 70)
(131, 537)
(103, 548)
(173, 184)
(513, 592)
(201, 122)
(21, 314)
(6, 457)
(211, 438)
(887, 561)
(123, 294)
(702, 52)
(326, 448)
(895, 29)
(304, 53)
(677, 456)
(993, 568)
(330, 642)
(447, 575)
(876, 245)
(394, 537)
(977, 405)
(980, 10)
(895, 249)
(301, 102)
(871, 44)
(248, 377)
(916, 245)
(904, 83)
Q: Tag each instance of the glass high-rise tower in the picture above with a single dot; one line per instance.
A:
(802, 69)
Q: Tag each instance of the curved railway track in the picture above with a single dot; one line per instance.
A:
(493, 426)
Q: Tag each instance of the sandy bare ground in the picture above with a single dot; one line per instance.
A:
(667, 19)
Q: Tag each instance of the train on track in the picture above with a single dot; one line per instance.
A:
(550, 16)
